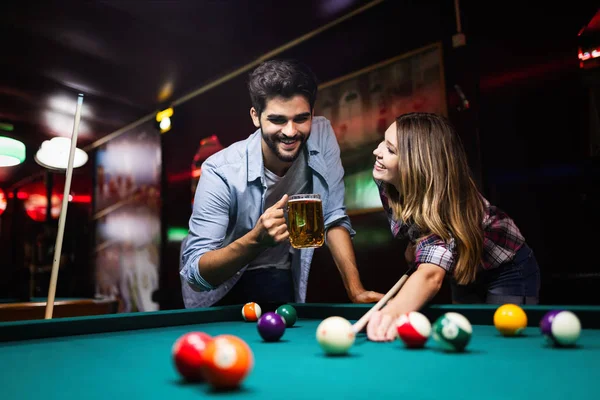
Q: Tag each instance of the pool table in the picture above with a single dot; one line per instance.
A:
(35, 308)
(128, 356)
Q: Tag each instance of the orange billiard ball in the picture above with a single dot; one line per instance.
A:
(510, 320)
(187, 355)
(227, 361)
(251, 311)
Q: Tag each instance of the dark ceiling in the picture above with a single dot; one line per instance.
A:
(129, 58)
(132, 57)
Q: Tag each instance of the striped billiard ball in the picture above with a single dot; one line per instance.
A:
(413, 329)
(452, 331)
(251, 311)
(288, 313)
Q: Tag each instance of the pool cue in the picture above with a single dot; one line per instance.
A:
(360, 324)
(63, 212)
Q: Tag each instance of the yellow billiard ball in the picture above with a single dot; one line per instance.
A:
(510, 320)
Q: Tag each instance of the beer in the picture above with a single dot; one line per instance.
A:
(305, 221)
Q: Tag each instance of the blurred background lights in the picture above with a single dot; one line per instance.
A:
(12, 152)
(62, 125)
(68, 106)
(164, 119)
(54, 154)
(165, 124)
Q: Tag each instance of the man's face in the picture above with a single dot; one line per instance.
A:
(285, 126)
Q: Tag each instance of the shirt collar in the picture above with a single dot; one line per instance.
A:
(255, 163)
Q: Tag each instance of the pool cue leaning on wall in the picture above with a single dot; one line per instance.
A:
(63, 212)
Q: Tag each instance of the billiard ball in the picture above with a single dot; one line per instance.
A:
(413, 329)
(228, 361)
(271, 326)
(546, 324)
(288, 313)
(510, 320)
(335, 335)
(452, 331)
(251, 311)
(560, 327)
(187, 355)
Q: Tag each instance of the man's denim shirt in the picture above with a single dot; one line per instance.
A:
(229, 200)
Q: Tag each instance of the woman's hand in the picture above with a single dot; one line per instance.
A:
(420, 288)
(382, 326)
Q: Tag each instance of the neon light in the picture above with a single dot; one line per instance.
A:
(176, 234)
(12, 152)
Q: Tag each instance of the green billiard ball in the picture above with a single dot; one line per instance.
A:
(288, 313)
(452, 331)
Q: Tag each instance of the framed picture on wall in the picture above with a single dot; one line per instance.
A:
(127, 218)
(363, 104)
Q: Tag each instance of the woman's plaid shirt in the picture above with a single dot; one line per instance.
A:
(502, 238)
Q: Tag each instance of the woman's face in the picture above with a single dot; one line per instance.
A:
(386, 158)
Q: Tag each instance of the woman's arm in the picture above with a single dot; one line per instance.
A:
(420, 288)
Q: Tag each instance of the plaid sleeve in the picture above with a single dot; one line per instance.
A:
(433, 250)
(502, 237)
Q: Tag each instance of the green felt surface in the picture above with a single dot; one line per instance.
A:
(137, 365)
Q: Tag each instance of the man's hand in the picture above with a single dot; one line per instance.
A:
(366, 296)
(271, 228)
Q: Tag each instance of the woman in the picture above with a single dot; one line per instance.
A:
(427, 190)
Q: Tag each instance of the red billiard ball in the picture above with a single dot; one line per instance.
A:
(413, 329)
(188, 355)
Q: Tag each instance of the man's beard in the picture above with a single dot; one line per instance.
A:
(273, 140)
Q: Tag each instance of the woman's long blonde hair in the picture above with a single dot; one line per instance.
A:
(437, 192)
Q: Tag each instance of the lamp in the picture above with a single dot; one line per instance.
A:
(54, 154)
(12, 152)
(164, 119)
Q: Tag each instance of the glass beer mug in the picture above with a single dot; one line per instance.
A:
(305, 221)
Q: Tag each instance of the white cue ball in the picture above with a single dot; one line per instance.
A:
(566, 328)
(335, 335)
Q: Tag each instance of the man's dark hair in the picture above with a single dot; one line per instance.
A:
(285, 78)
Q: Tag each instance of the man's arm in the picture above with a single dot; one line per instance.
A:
(338, 234)
(340, 245)
(217, 266)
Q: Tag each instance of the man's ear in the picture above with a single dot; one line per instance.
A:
(255, 117)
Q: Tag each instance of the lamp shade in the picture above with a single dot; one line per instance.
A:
(54, 154)
(12, 152)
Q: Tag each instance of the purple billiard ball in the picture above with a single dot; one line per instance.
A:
(271, 326)
(546, 323)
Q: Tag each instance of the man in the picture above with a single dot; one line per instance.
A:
(238, 246)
